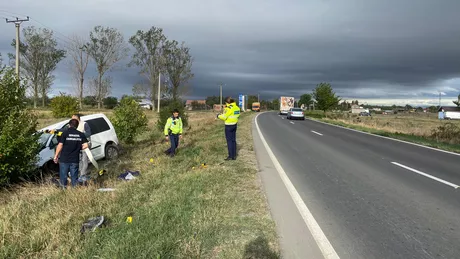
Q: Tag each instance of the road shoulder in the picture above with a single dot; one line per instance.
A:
(296, 241)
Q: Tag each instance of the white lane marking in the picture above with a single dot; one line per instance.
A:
(291, 122)
(426, 175)
(316, 231)
(398, 140)
(316, 132)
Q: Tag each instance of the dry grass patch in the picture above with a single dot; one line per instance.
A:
(215, 212)
(419, 128)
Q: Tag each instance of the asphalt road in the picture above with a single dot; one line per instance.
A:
(372, 197)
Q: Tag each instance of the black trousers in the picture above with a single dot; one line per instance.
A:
(230, 135)
(174, 140)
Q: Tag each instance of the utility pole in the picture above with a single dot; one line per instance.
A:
(258, 98)
(159, 92)
(439, 99)
(17, 23)
(221, 96)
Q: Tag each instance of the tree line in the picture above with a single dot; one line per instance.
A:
(153, 54)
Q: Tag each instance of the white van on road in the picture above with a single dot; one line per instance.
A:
(104, 140)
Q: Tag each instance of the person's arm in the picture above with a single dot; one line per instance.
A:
(58, 152)
(167, 126)
(225, 115)
(84, 141)
(59, 147)
(87, 130)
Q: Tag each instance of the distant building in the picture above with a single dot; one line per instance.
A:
(201, 103)
(356, 109)
(449, 113)
(218, 108)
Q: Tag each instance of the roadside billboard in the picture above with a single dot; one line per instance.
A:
(241, 102)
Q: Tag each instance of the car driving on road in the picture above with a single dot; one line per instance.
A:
(295, 113)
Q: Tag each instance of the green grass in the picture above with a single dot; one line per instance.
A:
(178, 212)
(422, 140)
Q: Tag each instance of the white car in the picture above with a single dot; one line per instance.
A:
(146, 104)
(295, 113)
(104, 140)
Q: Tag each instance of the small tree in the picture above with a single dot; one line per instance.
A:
(458, 101)
(178, 62)
(166, 112)
(305, 99)
(148, 56)
(18, 146)
(78, 64)
(39, 56)
(325, 97)
(64, 106)
(106, 47)
(129, 120)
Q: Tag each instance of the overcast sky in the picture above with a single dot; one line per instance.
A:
(376, 51)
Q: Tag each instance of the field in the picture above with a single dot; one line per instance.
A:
(422, 128)
(179, 209)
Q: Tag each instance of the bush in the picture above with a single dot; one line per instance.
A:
(166, 112)
(64, 106)
(110, 102)
(90, 101)
(18, 147)
(448, 132)
(129, 120)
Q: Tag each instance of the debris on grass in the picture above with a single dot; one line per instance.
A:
(106, 189)
(129, 175)
(92, 224)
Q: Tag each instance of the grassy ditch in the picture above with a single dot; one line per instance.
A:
(179, 209)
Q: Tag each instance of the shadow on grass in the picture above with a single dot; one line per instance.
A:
(259, 249)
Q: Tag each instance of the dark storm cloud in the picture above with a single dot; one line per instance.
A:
(365, 48)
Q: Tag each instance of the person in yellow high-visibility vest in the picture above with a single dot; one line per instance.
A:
(230, 116)
(173, 132)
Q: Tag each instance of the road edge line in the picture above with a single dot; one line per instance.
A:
(398, 140)
(321, 240)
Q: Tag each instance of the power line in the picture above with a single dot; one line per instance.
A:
(66, 41)
(11, 13)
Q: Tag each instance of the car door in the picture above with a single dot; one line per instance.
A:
(98, 128)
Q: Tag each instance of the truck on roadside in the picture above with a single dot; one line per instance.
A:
(286, 103)
(256, 107)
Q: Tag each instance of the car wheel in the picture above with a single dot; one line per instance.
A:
(111, 151)
(50, 168)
